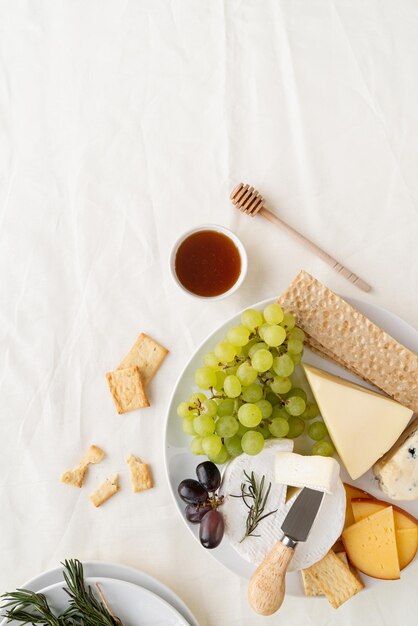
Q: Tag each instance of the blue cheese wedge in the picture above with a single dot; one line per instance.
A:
(397, 470)
(323, 535)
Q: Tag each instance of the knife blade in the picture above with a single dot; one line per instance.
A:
(267, 585)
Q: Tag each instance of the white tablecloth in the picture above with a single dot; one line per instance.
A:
(122, 124)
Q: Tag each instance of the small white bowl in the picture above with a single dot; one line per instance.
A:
(228, 233)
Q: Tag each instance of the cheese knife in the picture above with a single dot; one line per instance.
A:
(267, 585)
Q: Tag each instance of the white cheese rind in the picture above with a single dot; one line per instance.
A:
(325, 530)
(316, 472)
(362, 424)
(397, 471)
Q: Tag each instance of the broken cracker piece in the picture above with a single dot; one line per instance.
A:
(140, 474)
(334, 579)
(147, 355)
(105, 491)
(77, 475)
(127, 389)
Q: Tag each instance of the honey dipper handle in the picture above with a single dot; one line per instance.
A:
(353, 278)
(267, 585)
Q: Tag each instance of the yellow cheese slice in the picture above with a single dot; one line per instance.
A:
(362, 424)
(407, 545)
(371, 545)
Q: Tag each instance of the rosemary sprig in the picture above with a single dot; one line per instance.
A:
(85, 609)
(255, 500)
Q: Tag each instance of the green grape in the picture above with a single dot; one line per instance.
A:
(265, 408)
(288, 321)
(209, 407)
(196, 445)
(187, 425)
(238, 335)
(296, 333)
(263, 428)
(197, 398)
(296, 427)
(295, 405)
(283, 365)
(226, 407)
(251, 319)
(323, 448)
(212, 445)
(294, 346)
(297, 391)
(246, 374)
(252, 442)
(280, 411)
(211, 360)
(232, 386)
(204, 425)
(183, 409)
(262, 360)
(227, 426)
(225, 351)
(249, 415)
(279, 427)
(231, 371)
(245, 349)
(205, 377)
(296, 358)
(262, 330)
(272, 398)
(281, 385)
(220, 377)
(252, 393)
(221, 457)
(233, 445)
(273, 314)
(242, 430)
(260, 345)
(311, 411)
(317, 430)
(274, 335)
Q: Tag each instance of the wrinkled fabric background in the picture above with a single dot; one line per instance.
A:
(122, 124)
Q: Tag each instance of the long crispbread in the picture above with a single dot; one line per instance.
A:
(335, 579)
(345, 335)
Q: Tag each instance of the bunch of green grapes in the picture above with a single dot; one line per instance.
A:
(252, 397)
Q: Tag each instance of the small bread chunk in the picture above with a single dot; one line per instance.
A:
(77, 476)
(105, 491)
(334, 579)
(127, 389)
(147, 355)
(140, 474)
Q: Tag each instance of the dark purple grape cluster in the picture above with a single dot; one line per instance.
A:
(203, 502)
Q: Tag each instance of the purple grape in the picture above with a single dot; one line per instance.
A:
(211, 529)
(192, 492)
(195, 513)
(208, 475)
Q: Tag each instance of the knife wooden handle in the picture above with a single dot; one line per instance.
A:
(267, 585)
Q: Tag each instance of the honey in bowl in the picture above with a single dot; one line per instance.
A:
(207, 263)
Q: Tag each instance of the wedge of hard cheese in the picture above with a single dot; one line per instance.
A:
(362, 424)
(397, 471)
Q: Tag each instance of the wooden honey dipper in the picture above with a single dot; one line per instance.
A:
(249, 201)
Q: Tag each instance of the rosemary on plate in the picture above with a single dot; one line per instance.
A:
(255, 499)
(84, 608)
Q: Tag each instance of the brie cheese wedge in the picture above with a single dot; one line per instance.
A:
(316, 472)
(325, 530)
(362, 424)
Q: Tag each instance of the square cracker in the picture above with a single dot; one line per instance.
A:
(311, 586)
(140, 474)
(105, 491)
(334, 578)
(127, 389)
(147, 355)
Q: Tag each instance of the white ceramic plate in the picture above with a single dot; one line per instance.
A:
(180, 463)
(102, 569)
(134, 605)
